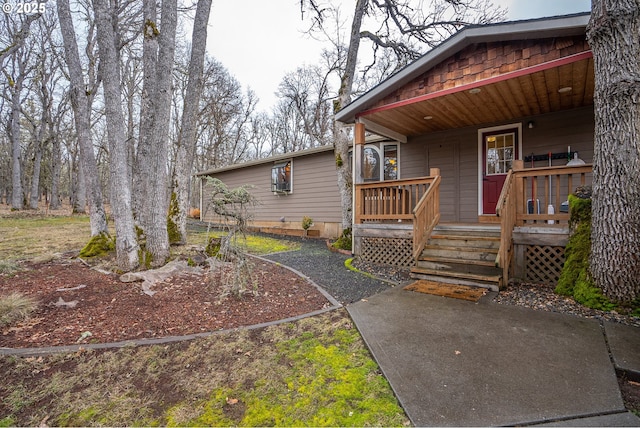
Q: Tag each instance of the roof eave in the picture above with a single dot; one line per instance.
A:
(567, 25)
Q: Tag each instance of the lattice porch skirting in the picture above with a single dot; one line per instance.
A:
(388, 251)
(544, 263)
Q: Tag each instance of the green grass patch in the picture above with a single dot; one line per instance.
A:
(252, 244)
(316, 371)
(9, 267)
(331, 381)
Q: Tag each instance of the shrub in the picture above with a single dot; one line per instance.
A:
(344, 241)
(307, 222)
(194, 213)
(15, 307)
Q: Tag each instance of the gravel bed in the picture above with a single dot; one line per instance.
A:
(327, 269)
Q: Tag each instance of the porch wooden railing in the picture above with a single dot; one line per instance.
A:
(506, 210)
(426, 214)
(386, 201)
(535, 196)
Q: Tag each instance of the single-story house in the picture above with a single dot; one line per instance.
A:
(494, 129)
(463, 162)
(288, 187)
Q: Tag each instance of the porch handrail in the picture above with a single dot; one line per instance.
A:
(542, 187)
(426, 214)
(526, 195)
(392, 200)
(506, 211)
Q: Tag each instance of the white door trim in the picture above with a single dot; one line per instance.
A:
(482, 131)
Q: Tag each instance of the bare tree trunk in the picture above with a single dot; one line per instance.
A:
(81, 112)
(55, 170)
(615, 249)
(187, 136)
(158, 186)
(152, 160)
(37, 163)
(142, 172)
(79, 196)
(341, 139)
(17, 194)
(126, 241)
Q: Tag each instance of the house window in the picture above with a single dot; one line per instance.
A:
(500, 153)
(371, 164)
(390, 162)
(281, 177)
(378, 161)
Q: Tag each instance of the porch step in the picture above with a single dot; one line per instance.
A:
(461, 254)
(490, 282)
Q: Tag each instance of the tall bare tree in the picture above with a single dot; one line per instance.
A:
(80, 103)
(612, 33)
(190, 111)
(406, 28)
(19, 70)
(156, 113)
(126, 240)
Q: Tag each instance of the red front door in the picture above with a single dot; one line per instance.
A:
(500, 149)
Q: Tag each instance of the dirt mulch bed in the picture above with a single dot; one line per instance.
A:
(108, 310)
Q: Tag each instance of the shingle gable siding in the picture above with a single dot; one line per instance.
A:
(485, 60)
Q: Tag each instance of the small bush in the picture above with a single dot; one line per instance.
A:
(15, 307)
(213, 246)
(344, 241)
(307, 222)
(194, 213)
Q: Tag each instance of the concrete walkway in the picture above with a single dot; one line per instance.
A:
(458, 363)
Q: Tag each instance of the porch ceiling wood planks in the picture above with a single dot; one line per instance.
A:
(502, 98)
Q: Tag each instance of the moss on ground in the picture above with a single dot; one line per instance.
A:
(349, 265)
(99, 245)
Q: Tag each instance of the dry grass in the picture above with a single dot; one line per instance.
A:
(252, 378)
(15, 307)
(40, 236)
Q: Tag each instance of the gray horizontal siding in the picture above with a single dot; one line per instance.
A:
(315, 189)
(455, 152)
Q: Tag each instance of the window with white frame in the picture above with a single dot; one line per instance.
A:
(281, 178)
(380, 162)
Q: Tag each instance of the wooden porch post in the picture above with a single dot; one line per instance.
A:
(358, 145)
(518, 165)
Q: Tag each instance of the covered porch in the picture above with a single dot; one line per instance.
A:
(398, 222)
(483, 129)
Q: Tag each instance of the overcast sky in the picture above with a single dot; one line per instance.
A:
(260, 41)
